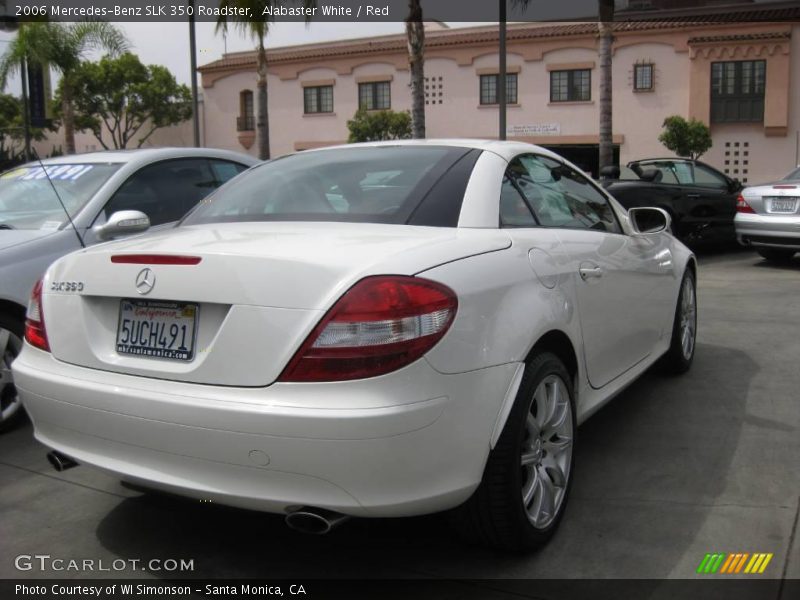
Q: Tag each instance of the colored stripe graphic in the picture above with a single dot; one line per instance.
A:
(740, 564)
(727, 563)
(734, 562)
(704, 564)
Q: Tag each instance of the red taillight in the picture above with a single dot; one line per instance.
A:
(35, 333)
(742, 206)
(155, 259)
(381, 324)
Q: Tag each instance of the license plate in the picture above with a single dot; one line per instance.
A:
(783, 205)
(156, 329)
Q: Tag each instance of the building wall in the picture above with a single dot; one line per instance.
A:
(180, 135)
(767, 158)
(453, 110)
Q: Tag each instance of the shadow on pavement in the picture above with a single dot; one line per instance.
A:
(647, 472)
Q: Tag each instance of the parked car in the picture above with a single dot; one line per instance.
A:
(162, 183)
(700, 200)
(373, 330)
(768, 218)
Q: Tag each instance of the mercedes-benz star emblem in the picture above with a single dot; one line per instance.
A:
(145, 281)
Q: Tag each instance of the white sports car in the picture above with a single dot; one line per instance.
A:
(372, 330)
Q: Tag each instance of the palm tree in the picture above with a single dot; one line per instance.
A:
(257, 27)
(605, 28)
(415, 32)
(61, 46)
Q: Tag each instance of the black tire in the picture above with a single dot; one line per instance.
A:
(776, 255)
(496, 515)
(10, 347)
(676, 360)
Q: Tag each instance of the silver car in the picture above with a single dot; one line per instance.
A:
(768, 218)
(162, 183)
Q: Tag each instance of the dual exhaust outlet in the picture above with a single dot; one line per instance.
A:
(60, 462)
(315, 521)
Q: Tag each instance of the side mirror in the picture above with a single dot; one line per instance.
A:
(647, 220)
(734, 185)
(122, 223)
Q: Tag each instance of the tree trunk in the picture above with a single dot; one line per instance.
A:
(69, 118)
(415, 34)
(606, 154)
(262, 119)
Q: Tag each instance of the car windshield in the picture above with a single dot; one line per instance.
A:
(793, 176)
(27, 199)
(382, 184)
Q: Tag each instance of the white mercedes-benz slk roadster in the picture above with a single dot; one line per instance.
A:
(376, 330)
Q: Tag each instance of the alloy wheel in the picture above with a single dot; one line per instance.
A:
(688, 318)
(10, 346)
(546, 454)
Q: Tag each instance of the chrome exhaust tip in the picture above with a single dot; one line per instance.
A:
(60, 462)
(314, 521)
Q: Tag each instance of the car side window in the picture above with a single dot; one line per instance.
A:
(667, 170)
(705, 177)
(560, 196)
(514, 211)
(225, 170)
(164, 191)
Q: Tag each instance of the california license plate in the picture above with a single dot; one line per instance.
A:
(156, 329)
(782, 205)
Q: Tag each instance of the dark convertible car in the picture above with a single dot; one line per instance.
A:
(700, 199)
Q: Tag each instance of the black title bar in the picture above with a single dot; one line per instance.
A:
(389, 10)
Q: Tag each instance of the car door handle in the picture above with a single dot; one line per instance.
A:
(587, 272)
(692, 195)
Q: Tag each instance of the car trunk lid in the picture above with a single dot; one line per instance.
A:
(253, 296)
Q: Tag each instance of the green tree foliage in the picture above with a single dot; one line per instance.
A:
(121, 97)
(11, 131)
(60, 46)
(372, 126)
(690, 138)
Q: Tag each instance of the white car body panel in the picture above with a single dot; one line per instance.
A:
(285, 276)
(767, 228)
(410, 442)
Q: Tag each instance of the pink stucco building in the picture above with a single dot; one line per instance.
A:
(741, 77)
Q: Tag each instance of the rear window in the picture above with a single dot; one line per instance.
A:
(384, 184)
(793, 175)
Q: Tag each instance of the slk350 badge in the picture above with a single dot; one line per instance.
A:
(66, 286)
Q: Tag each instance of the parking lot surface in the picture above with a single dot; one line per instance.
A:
(672, 469)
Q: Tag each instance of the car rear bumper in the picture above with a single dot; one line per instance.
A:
(411, 442)
(776, 231)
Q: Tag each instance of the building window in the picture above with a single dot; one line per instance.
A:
(643, 77)
(246, 120)
(489, 88)
(737, 91)
(318, 99)
(374, 95)
(571, 86)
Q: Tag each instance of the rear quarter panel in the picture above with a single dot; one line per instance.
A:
(503, 310)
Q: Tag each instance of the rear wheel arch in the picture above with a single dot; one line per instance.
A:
(559, 343)
(555, 342)
(692, 266)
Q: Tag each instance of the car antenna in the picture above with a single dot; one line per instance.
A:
(60, 201)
